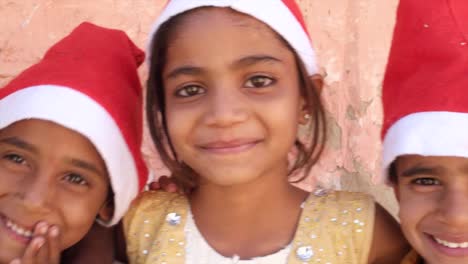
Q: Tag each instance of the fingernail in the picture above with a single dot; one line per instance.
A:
(41, 228)
(15, 261)
(54, 231)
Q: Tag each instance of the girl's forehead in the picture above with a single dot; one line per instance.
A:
(215, 38)
(232, 17)
(221, 26)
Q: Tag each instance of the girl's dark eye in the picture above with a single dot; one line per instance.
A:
(426, 181)
(190, 90)
(75, 179)
(15, 158)
(259, 82)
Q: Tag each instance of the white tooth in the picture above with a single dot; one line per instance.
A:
(17, 229)
(21, 231)
(452, 244)
(28, 233)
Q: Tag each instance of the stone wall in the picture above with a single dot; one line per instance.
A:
(352, 38)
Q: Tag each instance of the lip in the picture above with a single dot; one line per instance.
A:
(445, 250)
(229, 146)
(14, 235)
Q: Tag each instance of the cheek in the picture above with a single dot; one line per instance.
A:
(414, 207)
(79, 214)
(179, 126)
(10, 183)
(284, 117)
(6, 181)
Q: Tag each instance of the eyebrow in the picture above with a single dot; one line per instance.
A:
(255, 59)
(418, 170)
(243, 62)
(19, 143)
(85, 165)
(184, 70)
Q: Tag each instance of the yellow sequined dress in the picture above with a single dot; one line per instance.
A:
(335, 227)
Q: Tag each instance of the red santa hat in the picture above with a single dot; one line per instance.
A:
(425, 90)
(88, 82)
(283, 16)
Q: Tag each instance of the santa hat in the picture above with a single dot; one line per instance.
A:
(88, 82)
(425, 90)
(283, 16)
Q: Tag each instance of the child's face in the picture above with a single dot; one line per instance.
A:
(433, 197)
(47, 173)
(233, 97)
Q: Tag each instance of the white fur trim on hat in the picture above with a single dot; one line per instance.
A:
(78, 112)
(274, 13)
(426, 134)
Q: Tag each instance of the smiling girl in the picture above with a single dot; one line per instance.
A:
(230, 84)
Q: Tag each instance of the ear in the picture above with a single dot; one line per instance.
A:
(318, 82)
(304, 115)
(107, 211)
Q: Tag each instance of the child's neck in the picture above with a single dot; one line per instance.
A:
(250, 220)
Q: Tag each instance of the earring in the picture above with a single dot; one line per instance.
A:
(306, 116)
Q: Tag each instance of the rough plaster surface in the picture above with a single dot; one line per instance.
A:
(352, 39)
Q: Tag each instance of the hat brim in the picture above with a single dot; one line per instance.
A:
(428, 134)
(267, 11)
(78, 112)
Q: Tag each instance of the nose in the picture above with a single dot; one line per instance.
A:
(36, 192)
(453, 209)
(227, 107)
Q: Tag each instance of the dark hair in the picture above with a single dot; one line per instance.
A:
(308, 154)
(392, 172)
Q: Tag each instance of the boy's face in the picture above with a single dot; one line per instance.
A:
(433, 196)
(47, 173)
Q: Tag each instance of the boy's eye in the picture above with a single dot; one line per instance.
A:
(190, 90)
(426, 181)
(259, 81)
(75, 179)
(15, 158)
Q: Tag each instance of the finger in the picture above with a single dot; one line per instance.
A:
(53, 239)
(154, 186)
(40, 229)
(171, 187)
(32, 250)
(35, 251)
(42, 256)
(167, 184)
(15, 261)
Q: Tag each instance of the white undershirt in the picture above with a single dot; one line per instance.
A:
(198, 251)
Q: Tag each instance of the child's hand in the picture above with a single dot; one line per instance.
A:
(43, 247)
(164, 183)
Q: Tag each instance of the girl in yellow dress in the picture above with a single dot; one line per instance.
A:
(231, 83)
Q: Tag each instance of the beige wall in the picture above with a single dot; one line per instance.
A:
(352, 38)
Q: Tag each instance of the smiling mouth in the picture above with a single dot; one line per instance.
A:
(17, 229)
(229, 146)
(451, 244)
